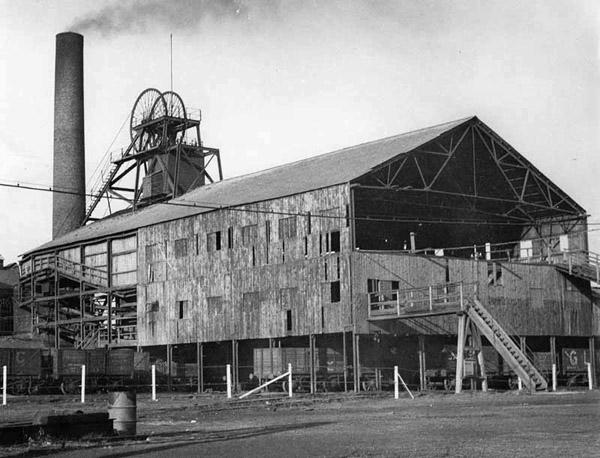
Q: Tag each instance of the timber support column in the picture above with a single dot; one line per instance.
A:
(345, 359)
(235, 366)
(553, 355)
(422, 366)
(169, 360)
(592, 361)
(199, 367)
(311, 347)
(460, 352)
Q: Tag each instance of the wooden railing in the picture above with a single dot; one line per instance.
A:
(435, 299)
(74, 269)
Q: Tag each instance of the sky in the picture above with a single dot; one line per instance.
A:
(279, 81)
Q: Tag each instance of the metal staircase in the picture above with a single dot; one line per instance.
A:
(505, 346)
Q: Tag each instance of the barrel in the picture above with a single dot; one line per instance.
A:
(122, 409)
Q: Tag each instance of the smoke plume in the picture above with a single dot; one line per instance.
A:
(139, 16)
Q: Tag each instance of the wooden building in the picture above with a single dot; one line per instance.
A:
(373, 251)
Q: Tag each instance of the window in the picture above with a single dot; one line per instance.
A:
(197, 240)
(326, 269)
(308, 223)
(288, 320)
(525, 249)
(253, 257)
(334, 239)
(149, 253)
(494, 271)
(268, 231)
(335, 291)
(230, 238)
(182, 309)
(375, 285)
(213, 241)
(181, 248)
(151, 307)
(287, 228)
(347, 215)
(305, 246)
(150, 273)
(249, 235)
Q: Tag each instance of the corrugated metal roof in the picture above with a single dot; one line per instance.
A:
(305, 175)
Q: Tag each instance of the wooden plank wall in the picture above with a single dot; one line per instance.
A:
(244, 292)
(528, 299)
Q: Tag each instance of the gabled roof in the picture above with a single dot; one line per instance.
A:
(309, 174)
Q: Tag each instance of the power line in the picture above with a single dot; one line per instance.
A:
(229, 207)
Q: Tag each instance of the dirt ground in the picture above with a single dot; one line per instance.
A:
(471, 424)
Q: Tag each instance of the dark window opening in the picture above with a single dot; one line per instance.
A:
(288, 320)
(335, 241)
(494, 271)
(347, 215)
(322, 318)
(337, 267)
(283, 251)
(268, 231)
(213, 241)
(326, 269)
(305, 246)
(309, 224)
(253, 257)
(230, 238)
(182, 309)
(197, 244)
(320, 244)
(335, 291)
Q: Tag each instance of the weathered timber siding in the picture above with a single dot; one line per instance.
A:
(529, 299)
(244, 289)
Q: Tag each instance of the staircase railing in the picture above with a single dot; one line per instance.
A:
(89, 274)
(429, 299)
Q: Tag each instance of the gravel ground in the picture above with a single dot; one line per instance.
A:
(493, 424)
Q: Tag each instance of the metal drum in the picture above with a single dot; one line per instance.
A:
(122, 409)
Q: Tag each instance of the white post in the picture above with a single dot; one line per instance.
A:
(4, 383)
(590, 381)
(396, 386)
(290, 380)
(83, 383)
(228, 377)
(520, 383)
(554, 377)
(154, 382)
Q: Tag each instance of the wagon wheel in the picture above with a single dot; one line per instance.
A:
(143, 111)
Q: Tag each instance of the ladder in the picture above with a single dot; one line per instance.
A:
(505, 346)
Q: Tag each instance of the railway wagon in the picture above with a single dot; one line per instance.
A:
(328, 366)
(32, 371)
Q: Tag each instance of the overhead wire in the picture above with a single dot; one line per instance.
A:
(230, 207)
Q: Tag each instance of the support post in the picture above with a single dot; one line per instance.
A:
(154, 382)
(589, 373)
(460, 352)
(311, 346)
(83, 383)
(553, 350)
(345, 365)
(413, 243)
(520, 383)
(357, 363)
(169, 361)
(4, 384)
(592, 353)
(422, 380)
(396, 386)
(199, 366)
(228, 380)
(290, 380)
(480, 358)
(553, 376)
(234, 358)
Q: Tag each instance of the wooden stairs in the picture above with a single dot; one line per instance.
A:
(505, 346)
